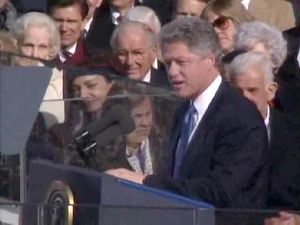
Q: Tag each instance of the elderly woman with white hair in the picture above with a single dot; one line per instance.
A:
(261, 37)
(37, 36)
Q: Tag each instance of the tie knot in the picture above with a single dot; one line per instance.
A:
(119, 19)
(67, 54)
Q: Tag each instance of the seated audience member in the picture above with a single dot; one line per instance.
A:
(218, 141)
(106, 18)
(284, 218)
(69, 16)
(144, 15)
(37, 36)
(134, 49)
(252, 74)
(226, 16)
(188, 8)
(260, 37)
(148, 17)
(8, 15)
(278, 13)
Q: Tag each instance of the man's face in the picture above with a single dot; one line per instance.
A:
(134, 54)
(36, 42)
(70, 23)
(187, 71)
(142, 115)
(189, 8)
(93, 88)
(253, 86)
(122, 4)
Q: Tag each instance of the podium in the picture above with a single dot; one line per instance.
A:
(87, 197)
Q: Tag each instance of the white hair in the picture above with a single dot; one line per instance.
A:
(144, 15)
(251, 33)
(243, 62)
(40, 20)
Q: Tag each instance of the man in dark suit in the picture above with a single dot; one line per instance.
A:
(106, 18)
(70, 17)
(288, 77)
(252, 74)
(219, 140)
(134, 49)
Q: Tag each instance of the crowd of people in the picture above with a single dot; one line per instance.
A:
(235, 65)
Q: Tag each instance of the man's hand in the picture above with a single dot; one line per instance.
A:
(126, 175)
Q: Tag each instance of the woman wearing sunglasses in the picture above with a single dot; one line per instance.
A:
(226, 16)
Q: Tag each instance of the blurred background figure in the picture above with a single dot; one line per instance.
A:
(188, 8)
(89, 19)
(226, 16)
(7, 44)
(279, 13)
(144, 15)
(261, 37)
(8, 14)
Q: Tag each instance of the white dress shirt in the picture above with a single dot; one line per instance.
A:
(202, 102)
(147, 77)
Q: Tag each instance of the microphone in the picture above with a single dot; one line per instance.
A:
(113, 115)
(114, 123)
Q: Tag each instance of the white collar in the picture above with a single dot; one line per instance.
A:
(147, 77)
(246, 3)
(267, 119)
(88, 25)
(71, 50)
(202, 102)
(267, 123)
(298, 57)
(114, 16)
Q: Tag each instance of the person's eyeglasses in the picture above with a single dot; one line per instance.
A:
(221, 23)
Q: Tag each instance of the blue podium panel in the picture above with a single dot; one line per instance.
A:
(21, 92)
(111, 200)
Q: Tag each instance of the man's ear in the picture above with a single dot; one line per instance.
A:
(271, 90)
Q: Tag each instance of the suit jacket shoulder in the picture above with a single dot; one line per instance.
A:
(159, 77)
(284, 188)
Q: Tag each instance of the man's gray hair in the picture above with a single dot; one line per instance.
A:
(256, 60)
(126, 24)
(39, 20)
(251, 33)
(144, 15)
(196, 33)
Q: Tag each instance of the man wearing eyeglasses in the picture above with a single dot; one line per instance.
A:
(219, 140)
(134, 48)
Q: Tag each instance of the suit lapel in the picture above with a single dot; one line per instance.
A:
(207, 122)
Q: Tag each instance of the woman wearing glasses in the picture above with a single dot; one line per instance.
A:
(226, 16)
